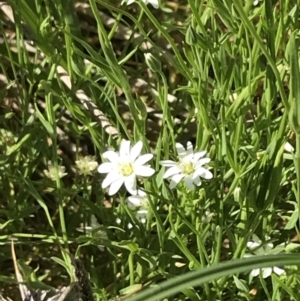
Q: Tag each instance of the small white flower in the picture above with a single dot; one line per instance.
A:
(259, 249)
(51, 172)
(92, 231)
(207, 217)
(139, 204)
(124, 167)
(154, 3)
(189, 168)
(86, 165)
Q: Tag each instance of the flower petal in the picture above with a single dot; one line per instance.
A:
(198, 155)
(101, 248)
(130, 226)
(203, 161)
(125, 149)
(141, 215)
(252, 245)
(110, 178)
(154, 3)
(142, 212)
(278, 271)
(207, 217)
(136, 150)
(111, 156)
(189, 182)
(173, 184)
(256, 239)
(141, 193)
(260, 251)
(134, 201)
(189, 148)
(94, 222)
(197, 181)
(189, 158)
(115, 186)
(175, 180)
(255, 272)
(278, 249)
(144, 171)
(268, 247)
(180, 150)
(267, 272)
(106, 167)
(130, 184)
(128, 2)
(143, 219)
(167, 163)
(203, 173)
(143, 159)
(172, 171)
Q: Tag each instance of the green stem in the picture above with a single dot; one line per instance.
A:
(131, 267)
(250, 27)
(297, 166)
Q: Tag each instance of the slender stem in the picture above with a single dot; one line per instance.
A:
(264, 50)
(131, 267)
(297, 166)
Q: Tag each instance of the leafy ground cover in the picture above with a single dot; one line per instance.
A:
(150, 147)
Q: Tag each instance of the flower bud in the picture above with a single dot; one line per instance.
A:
(152, 62)
(191, 36)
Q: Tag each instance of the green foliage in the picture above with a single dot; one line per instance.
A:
(74, 82)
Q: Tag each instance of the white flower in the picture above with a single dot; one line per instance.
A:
(154, 3)
(86, 165)
(189, 168)
(92, 231)
(139, 204)
(124, 167)
(259, 249)
(51, 172)
(207, 217)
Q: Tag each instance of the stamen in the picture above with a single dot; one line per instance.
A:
(187, 167)
(126, 169)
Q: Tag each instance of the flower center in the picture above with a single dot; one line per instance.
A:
(126, 169)
(187, 167)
